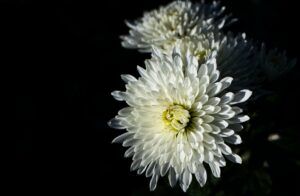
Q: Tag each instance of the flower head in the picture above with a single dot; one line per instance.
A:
(180, 117)
(176, 20)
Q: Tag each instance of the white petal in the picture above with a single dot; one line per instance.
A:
(142, 71)
(215, 129)
(198, 135)
(237, 110)
(202, 71)
(214, 89)
(173, 177)
(212, 67)
(226, 98)
(153, 182)
(225, 109)
(150, 169)
(241, 96)
(239, 119)
(204, 99)
(213, 101)
(141, 170)
(221, 123)
(118, 95)
(218, 139)
(236, 127)
(228, 115)
(208, 139)
(192, 139)
(201, 175)
(234, 158)
(207, 118)
(125, 111)
(215, 169)
(186, 180)
(226, 82)
(234, 139)
(225, 148)
(128, 78)
(214, 77)
(202, 90)
(116, 124)
(208, 156)
(129, 152)
(226, 132)
(177, 59)
(123, 137)
(208, 108)
(204, 80)
(135, 165)
(221, 161)
(164, 169)
(129, 142)
(207, 127)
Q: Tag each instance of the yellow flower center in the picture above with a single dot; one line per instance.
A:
(173, 12)
(200, 54)
(176, 117)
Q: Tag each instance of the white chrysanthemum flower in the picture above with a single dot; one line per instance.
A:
(274, 63)
(180, 116)
(176, 20)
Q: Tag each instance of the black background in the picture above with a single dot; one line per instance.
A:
(66, 58)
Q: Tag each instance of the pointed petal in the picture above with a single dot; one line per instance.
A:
(234, 158)
(128, 78)
(201, 175)
(241, 96)
(153, 182)
(172, 177)
(116, 124)
(118, 95)
(234, 139)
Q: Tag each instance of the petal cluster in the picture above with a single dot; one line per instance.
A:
(180, 118)
(183, 109)
(174, 21)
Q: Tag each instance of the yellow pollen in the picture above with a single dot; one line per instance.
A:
(200, 54)
(176, 117)
(173, 12)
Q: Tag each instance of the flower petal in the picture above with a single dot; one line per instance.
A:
(201, 175)
(233, 139)
(234, 158)
(128, 78)
(241, 96)
(153, 182)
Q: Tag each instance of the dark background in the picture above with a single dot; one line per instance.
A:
(65, 58)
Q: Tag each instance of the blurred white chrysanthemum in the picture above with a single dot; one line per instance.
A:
(274, 63)
(176, 20)
(180, 116)
(200, 45)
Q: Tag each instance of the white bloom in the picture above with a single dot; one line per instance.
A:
(176, 20)
(274, 63)
(179, 117)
